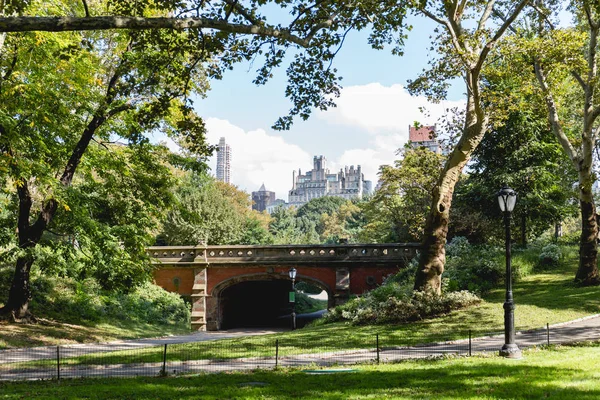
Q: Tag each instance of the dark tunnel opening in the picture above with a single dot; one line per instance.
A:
(256, 304)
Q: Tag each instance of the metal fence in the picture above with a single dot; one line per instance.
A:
(127, 360)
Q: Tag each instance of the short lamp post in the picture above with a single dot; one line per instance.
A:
(507, 199)
(292, 273)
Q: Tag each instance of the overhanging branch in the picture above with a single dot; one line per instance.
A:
(63, 24)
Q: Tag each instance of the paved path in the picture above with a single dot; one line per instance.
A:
(49, 352)
(580, 330)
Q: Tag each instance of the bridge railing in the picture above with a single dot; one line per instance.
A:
(292, 254)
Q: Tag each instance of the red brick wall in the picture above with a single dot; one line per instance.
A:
(164, 277)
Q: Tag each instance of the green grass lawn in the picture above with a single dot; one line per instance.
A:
(559, 373)
(542, 297)
(47, 333)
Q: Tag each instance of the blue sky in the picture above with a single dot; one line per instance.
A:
(368, 126)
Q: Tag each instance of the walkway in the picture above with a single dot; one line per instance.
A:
(585, 329)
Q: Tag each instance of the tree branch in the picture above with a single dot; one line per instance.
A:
(85, 7)
(453, 34)
(553, 116)
(505, 25)
(486, 14)
(63, 24)
(245, 13)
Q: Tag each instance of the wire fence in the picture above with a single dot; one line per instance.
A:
(126, 360)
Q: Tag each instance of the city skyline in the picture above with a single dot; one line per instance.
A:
(368, 126)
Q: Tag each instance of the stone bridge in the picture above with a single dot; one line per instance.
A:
(239, 286)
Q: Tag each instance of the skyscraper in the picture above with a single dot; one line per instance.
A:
(223, 161)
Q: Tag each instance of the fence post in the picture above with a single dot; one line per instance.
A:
(163, 371)
(58, 363)
(377, 340)
(548, 333)
(470, 345)
(276, 353)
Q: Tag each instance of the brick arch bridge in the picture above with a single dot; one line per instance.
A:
(227, 280)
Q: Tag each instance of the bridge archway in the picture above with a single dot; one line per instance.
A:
(256, 300)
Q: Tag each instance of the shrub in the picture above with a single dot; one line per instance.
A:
(409, 306)
(73, 301)
(549, 256)
(473, 268)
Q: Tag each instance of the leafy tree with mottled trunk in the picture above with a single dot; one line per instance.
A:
(464, 53)
(559, 56)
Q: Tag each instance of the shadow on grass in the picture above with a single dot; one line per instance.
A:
(494, 380)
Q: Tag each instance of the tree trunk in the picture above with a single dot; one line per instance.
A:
(524, 231)
(587, 273)
(17, 306)
(433, 251)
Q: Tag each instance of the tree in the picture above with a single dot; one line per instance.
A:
(344, 223)
(62, 93)
(398, 209)
(572, 55)
(464, 52)
(212, 212)
(314, 209)
(523, 154)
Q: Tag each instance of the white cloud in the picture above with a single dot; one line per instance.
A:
(257, 157)
(382, 114)
(383, 110)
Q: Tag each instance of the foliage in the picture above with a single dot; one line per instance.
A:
(400, 307)
(344, 223)
(549, 256)
(77, 166)
(306, 304)
(474, 268)
(315, 208)
(522, 153)
(398, 209)
(84, 301)
(206, 210)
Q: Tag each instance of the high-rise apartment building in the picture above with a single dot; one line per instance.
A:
(223, 161)
(424, 137)
(348, 183)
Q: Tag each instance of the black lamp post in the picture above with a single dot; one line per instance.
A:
(507, 199)
(292, 273)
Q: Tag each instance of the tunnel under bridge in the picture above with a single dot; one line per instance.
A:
(248, 286)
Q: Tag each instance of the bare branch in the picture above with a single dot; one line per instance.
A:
(579, 79)
(62, 24)
(505, 25)
(451, 31)
(85, 7)
(245, 13)
(486, 14)
(588, 15)
(553, 116)
(543, 15)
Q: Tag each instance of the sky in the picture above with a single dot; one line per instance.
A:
(368, 126)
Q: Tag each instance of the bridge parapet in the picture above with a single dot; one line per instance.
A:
(200, 255)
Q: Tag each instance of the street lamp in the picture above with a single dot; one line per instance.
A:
(507, 199)
(292, 273)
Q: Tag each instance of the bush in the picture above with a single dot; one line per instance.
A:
(549, 256)
(474, 268)
(68, 300)
(408, 306)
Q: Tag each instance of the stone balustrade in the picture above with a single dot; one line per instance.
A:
(283, 254)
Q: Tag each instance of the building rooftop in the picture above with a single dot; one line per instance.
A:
(422, 134)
